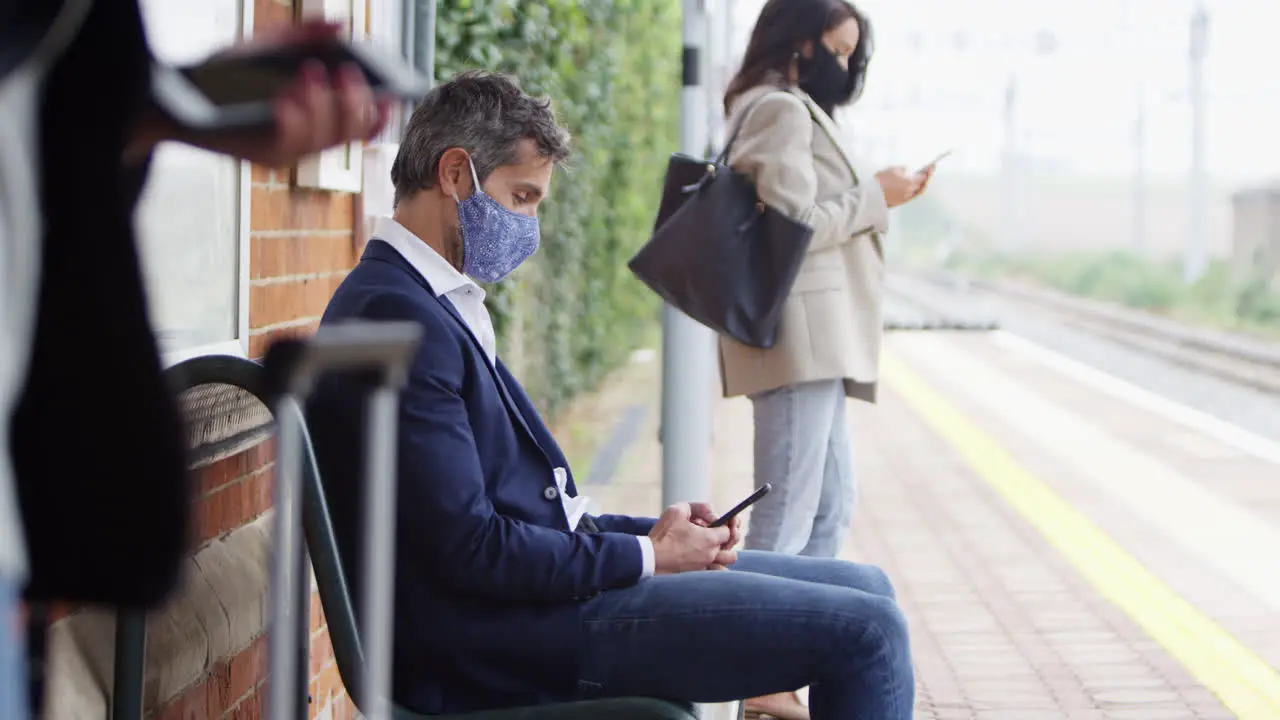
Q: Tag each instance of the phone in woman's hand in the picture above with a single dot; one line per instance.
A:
(932, 163)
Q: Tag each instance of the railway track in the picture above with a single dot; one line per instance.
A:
(1244, 360)
(905, 310)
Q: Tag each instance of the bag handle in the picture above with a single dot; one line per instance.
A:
(723, 157)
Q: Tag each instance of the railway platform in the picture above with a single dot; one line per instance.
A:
(1065, 544)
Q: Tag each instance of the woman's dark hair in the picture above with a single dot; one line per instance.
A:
(782, 29)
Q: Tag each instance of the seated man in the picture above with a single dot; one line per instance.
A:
(507, 593)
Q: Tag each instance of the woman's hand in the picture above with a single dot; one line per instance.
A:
(315, 113)
(924, 176)
(899, 186)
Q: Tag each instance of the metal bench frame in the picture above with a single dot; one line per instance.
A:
(335, 595)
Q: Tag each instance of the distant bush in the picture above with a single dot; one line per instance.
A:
(1217, 300)
(1259, 303)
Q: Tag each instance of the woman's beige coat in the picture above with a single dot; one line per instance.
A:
(831, 323)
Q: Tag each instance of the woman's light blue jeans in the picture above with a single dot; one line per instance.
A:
(803, 449)
(13, 656)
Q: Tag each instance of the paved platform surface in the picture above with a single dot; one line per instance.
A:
(1064, 545)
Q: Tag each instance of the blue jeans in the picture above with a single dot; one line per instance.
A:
(802, 448)
(773, 623)
(13, 656)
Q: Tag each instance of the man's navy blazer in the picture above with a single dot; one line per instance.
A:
(489, 577)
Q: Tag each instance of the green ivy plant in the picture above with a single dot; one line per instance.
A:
(612, 69)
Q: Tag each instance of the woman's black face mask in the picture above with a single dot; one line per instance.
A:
(829, 84)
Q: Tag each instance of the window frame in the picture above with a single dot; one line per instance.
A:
(338, 169)
(238, 346)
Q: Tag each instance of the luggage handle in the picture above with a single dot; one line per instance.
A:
(293, 366)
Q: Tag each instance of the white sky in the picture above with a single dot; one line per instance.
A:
(1076, 108)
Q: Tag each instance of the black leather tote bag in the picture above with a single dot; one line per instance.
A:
(719, 254)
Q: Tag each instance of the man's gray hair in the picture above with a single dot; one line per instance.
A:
(484, 113)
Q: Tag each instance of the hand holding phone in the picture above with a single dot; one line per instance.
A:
(750, 500)
(237, 89)
(933, 163)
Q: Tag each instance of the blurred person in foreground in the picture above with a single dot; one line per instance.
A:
(84, 413)
(508, 592)
(805, 59)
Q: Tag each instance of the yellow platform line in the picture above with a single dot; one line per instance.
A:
(1243, 682)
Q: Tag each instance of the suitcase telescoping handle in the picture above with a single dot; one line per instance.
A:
(385, 351)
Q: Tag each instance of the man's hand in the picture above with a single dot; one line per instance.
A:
(703, 515)
(315, 113)
(681, 545)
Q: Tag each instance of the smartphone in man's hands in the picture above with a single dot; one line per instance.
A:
(750, 500)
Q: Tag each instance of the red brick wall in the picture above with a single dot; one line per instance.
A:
(227, 495)
(234, 690)
(231, 492)
(302, 244)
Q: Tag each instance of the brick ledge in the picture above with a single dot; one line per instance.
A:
(220, 610)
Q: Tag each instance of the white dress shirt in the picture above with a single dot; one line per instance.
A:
(468, 298)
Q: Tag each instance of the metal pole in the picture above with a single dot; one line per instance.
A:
(709, 71)
(1198, 223)
(730, 40)
(302, 619)
(1134, 39)
(1008, 169)
(130, 665)
(376, 628)
(426, 38)
(719, 67)
(1140, 175)
(282, 645)
(688, 348)
(409, 41)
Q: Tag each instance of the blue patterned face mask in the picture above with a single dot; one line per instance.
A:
(495, 241)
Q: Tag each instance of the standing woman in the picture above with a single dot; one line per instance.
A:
(805, 58)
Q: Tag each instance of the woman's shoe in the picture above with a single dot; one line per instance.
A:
(782, 706)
